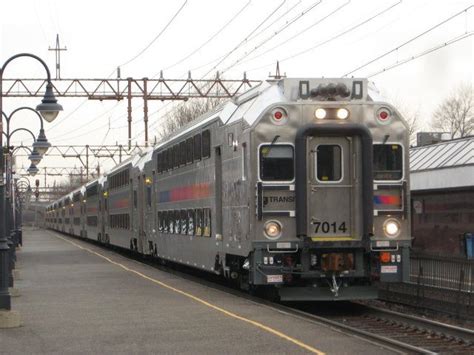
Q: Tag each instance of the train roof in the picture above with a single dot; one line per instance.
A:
(140, 160)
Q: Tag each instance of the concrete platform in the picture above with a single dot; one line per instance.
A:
(78, 298)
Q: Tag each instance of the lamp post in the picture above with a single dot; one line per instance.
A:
(49, 109)
(35, 158)
(22, 196)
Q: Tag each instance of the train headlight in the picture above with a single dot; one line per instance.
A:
(272, 229)
(320, 113)
(342, 113)
(391, 228)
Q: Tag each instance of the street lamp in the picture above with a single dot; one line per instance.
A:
(41, 143)
(49, 109)
(35, 157)
(32, 170)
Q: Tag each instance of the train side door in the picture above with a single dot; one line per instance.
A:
(140, 212)
(332, 190)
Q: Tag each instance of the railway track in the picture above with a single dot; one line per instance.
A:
(406, 333)
(392, 330)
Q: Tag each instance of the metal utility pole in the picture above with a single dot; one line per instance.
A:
(58, 50)
(118, 89)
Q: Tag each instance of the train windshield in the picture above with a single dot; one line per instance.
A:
(277, 162)
(388, 162)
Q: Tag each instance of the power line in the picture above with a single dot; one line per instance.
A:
(246, 37)
(299, 33)
(219, 31)
(277, 32)
(410, 40)
(157, 36)
(421, 54)
(350, 29)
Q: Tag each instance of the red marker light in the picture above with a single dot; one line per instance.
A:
(279, 116)
(383, 116)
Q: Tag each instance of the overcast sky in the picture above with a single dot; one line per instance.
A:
(310, 38)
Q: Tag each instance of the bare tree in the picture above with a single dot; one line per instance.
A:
(187, 112)
(456, 113)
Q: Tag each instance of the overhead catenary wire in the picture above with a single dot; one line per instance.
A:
(320, 44)
(314, 24)
(423, 53)
(212, 37)
(412, 39)
(246, 37)
(275, 33)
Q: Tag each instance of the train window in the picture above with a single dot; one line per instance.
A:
(170, 222)
(388, 162)
(329, 162)
(277, 162)
(135, 199)
(164, 222)
(206, 144)
(184, 222)
(190, 222)
(159, 218)
(176, 156)
(182, 153)
(177, 222)
(199, 220)
(148, 196)
(207, 223)
(189, 150)
(158, 162)
(197, 147)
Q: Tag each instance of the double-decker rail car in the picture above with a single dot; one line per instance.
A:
(299, 184)
(118, 200)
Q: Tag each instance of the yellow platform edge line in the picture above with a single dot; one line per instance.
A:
(200, 300)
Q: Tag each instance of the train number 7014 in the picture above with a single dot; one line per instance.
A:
(327, 227)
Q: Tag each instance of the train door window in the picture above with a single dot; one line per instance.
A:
(199, 218)
(148, 196)
(328, 163)
(189, 150)
(184, 222)
(182, 153)
(135, 199)
(277, 162)
(388, 162)
(190, 222)
(206, 144)
(207, 222)
(197, 147)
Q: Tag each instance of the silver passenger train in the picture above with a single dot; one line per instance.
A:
(299, 185)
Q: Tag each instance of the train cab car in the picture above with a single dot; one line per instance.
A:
(299, 184)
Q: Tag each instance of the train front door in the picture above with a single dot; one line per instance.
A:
(333, 188)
